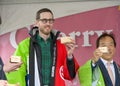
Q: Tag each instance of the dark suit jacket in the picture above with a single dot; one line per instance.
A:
(2, 74)
(106, 76)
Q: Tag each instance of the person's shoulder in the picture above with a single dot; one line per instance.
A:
(23, 45)
(24, 42)
(118, 66)
(86, 64)
(59, 42)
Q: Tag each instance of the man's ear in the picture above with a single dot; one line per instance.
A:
(36, 23)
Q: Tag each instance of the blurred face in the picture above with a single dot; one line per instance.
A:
(109, 43)
(45, 23)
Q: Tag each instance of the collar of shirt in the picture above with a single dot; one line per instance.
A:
(105, 62)
(111, 65)
(38, 37)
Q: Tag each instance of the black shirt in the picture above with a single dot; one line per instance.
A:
(2, 74)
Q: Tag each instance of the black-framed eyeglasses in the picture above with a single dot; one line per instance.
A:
(47, 20)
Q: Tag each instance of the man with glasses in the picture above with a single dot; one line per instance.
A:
(46, 62)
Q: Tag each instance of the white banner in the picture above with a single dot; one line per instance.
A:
(15, 16)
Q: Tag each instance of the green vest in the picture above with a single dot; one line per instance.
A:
(86, 77)
(18, 76)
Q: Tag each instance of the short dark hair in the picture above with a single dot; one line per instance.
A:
(41, 11)
(111, 35)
